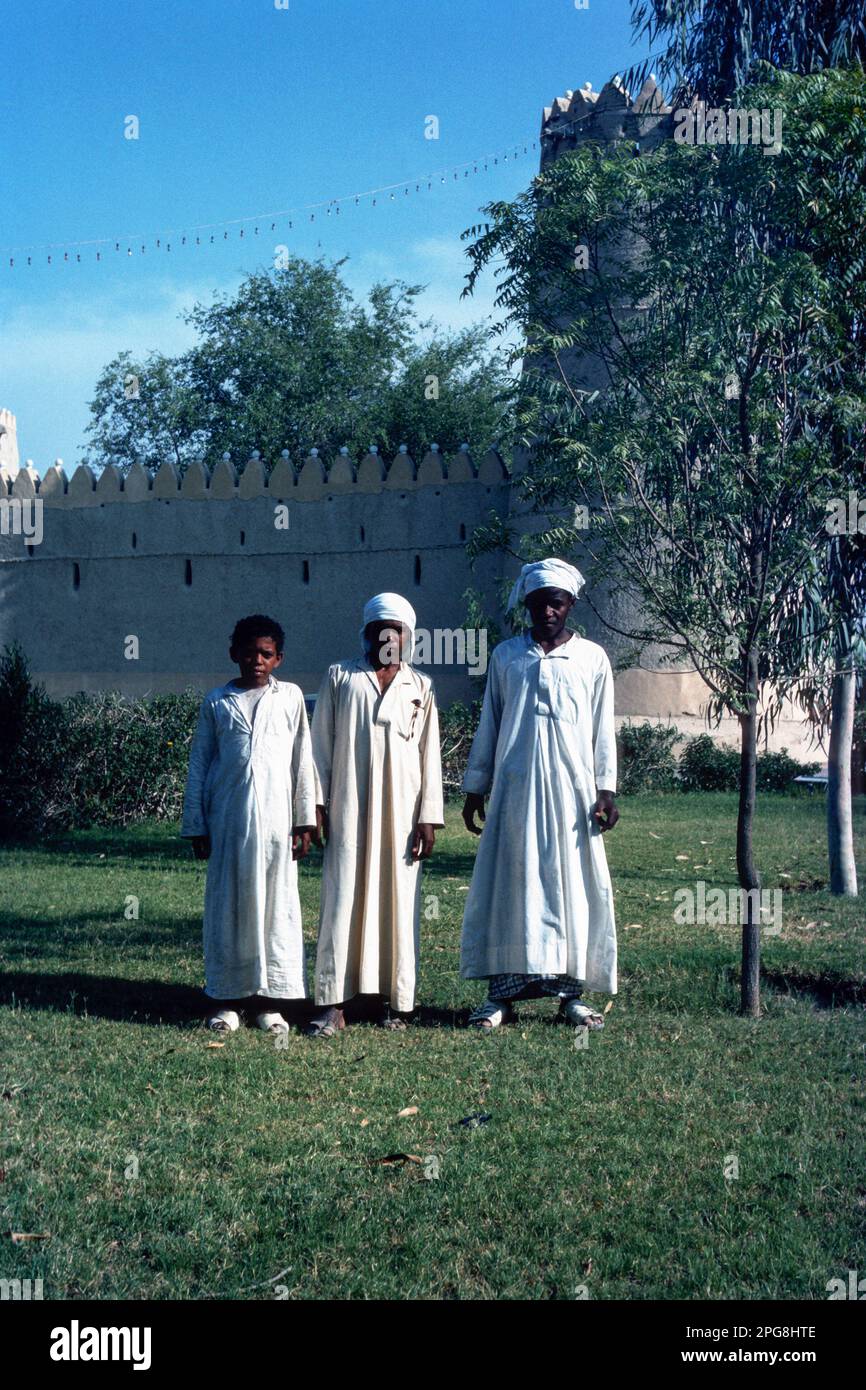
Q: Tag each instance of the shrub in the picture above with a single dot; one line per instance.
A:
(126, 759)
(646, 758)
(776, 771)
(708, 766)
(32, 742)
(457, 726)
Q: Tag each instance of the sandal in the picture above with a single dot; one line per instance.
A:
(394, 1022)
(272, 1023)
(572, 1011)
(326, 1023)
(491, 1014)
(224, 1021)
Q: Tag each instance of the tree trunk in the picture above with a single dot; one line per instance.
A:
(840, 829)
(750, 986)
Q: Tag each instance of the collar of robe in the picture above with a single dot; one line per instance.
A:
(234, 690)
(387, 700)
(564, 649)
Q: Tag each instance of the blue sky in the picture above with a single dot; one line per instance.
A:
(246, 108)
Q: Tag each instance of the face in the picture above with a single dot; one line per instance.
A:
(257, 658)
(387, 641)
(548, 610)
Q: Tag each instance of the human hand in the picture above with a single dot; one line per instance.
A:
(301, 837)
(474, 804)
(605, 811)
(323, 828)
(423, 841)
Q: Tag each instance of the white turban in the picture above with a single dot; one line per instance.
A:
(545, 574)
(389, 608)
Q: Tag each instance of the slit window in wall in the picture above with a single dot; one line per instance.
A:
(243, 537)
(363, 535)
(134, 540)
(305, 572)
(462, 531)
(187, 574)
(417, 569)
(76, 577)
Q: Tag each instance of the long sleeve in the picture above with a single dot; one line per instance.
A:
(432, 811)
(478, 777)
(323, 738)
(201, 756)
(303, 771)
(603, 731)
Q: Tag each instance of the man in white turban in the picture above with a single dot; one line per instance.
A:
(539, 915)
(375, 737)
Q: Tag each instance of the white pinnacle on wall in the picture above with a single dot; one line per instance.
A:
(8, 442)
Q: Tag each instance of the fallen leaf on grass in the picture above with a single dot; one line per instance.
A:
(652, 836)
(407, 1110)
(682, 856)
(150, 1088)
(18, 1237)
(634, 926)
(608, 1006)
(390, 1159)
(364, 1123)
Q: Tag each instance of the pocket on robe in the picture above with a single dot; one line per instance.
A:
(559, 700)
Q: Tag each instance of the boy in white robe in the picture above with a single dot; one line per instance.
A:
(250, 810)
(539, 914)
(376, 748)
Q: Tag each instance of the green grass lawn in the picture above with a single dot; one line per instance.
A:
(162, 1166)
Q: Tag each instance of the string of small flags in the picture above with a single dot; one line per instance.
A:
(205, 234)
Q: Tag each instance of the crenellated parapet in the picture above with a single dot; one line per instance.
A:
(608, 117)
(311, 479)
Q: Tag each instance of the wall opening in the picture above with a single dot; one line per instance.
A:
(243, 537)
(76, 577)
(462, 531)
(306, 572)
(362, 535)
(187, 576)
(417, 569)
(134, 540)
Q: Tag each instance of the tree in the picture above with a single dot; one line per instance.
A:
(293, 361)
(712, 45)
(710, 311)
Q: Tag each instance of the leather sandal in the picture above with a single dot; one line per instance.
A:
(326, 1023)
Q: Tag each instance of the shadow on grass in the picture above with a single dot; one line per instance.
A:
(826, 991)
(30, 938)
(159, 1002)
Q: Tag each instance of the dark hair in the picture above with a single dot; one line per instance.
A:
(258, 625)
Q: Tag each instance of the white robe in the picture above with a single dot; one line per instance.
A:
(246, 789)
(541, 900)
(378, 765)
